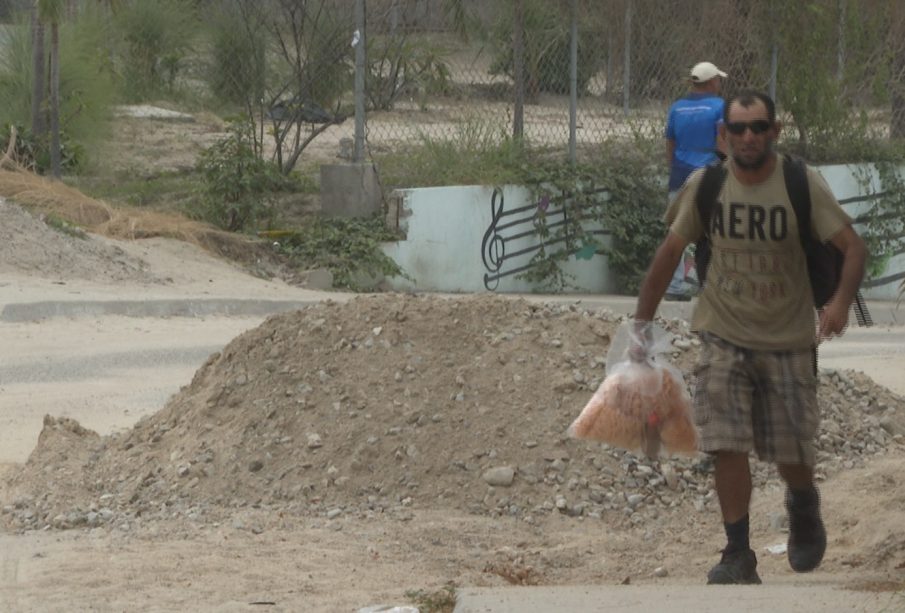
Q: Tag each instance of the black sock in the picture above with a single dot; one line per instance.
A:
(737, 533)
(804, 499)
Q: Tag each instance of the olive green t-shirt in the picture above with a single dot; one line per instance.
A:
(757, 293)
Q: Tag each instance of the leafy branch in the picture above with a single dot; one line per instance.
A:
(622, 194)
(349, 248)
(884, 223)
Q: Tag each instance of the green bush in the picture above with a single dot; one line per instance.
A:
(349, 248)
(87, 87)
(237, 184)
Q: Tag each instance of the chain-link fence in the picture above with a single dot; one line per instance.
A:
(567, 75)
(583, 72)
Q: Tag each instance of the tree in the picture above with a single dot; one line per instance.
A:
(51, 11)
(307, 71)
(38, 125)
(897, 74)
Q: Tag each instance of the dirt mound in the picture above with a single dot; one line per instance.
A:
(393, 402)
(29, 245)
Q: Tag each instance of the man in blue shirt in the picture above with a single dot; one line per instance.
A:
(692, 141)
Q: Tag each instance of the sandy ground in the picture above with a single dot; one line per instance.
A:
(107, 372)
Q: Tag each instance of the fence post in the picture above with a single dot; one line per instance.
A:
(573, 84)
(840, 35)
(518, 57)
(897, 96)
(627, 76)
(360, 67)
(610, 52)
(394, 17)
(774, 69)
(774, 53)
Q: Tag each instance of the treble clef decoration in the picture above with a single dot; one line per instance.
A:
(517, 234)
(493, 247)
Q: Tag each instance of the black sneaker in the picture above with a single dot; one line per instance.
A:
(677, 297)
(807, 536)
(735, 568)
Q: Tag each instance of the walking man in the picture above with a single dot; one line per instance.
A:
(692, 141)
(756, 386)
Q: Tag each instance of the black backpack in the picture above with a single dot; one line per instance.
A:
(824, 259)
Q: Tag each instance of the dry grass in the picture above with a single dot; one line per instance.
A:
(55, 198)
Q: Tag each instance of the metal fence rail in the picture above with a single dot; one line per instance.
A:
(595, 71)
(566, 75)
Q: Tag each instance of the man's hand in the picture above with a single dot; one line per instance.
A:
(834, 317)
(658, 276)
(832, 320)
(640, 341)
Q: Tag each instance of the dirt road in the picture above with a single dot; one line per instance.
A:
(109, 371)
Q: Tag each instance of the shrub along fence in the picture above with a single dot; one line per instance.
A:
(564, 75)
(572, 74)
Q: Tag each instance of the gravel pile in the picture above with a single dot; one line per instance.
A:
(28, 245)
(390, 403)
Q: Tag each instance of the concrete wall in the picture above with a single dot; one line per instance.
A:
(349, 190)
(445, 227)
(848, 181)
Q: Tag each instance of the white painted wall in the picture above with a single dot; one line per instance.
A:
(848, 181)
(445, 227)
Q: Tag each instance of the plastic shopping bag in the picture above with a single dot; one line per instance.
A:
(642, 404)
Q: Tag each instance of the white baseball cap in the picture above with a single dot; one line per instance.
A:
(705, 71)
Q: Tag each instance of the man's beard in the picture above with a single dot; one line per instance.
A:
(757, 163)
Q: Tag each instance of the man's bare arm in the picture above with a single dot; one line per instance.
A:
(658, 276)
(834, 317)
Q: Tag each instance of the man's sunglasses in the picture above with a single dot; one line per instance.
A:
(758, 126)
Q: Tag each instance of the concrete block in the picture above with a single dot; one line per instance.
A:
(398, 212)
(350, 190)
(367, 281)
(317, 278)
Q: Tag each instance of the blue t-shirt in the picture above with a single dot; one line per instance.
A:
(692, 124)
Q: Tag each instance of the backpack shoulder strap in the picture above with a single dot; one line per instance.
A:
(708, 190)
(795, 174)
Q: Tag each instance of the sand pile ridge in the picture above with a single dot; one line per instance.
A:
(391, 403)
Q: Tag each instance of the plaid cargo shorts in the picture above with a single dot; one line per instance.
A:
(762, 400)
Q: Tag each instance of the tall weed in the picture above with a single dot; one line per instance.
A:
(87, 88)
(155, 39)
(16, 72)
(236, 67)
(477, 154)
